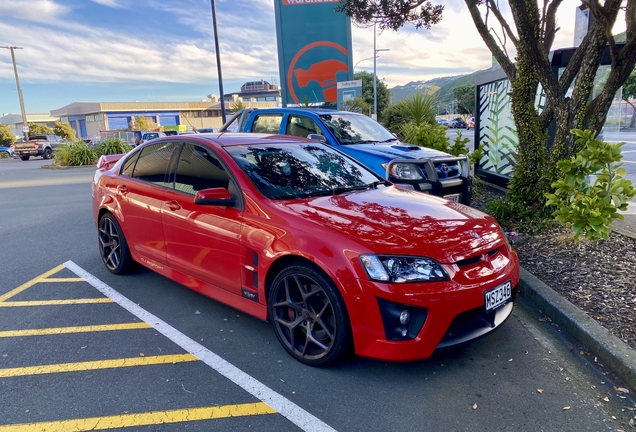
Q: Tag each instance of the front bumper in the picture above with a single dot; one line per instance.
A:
(454, 314)
(455, 185)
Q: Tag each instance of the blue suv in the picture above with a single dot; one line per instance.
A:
(362, 138)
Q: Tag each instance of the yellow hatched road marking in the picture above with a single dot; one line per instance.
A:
(96, 365)
(76, 329)
(30, 283)
(62, 280)
(55, 302)
(144, 419)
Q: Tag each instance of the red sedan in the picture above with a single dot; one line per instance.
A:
(298, 234)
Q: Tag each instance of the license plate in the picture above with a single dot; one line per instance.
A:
(454, 197)
(498, 296)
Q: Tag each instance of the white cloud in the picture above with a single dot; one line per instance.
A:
(34, 10)
(109, 3)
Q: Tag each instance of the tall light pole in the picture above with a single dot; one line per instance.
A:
(375, 76)
(360, 61)
(218, 59)
(25, 123)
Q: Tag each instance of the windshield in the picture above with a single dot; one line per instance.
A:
(356, 129)
(291, 171)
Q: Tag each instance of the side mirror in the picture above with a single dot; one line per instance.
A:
(317, 137)
(215, 197)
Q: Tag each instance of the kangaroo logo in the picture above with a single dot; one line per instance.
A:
(323, 72)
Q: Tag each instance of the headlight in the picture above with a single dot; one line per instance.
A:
(400, 269)
(405, 171)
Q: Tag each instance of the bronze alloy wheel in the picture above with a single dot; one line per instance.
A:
(308, 316)
(112, 245)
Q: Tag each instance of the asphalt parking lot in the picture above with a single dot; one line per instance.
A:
(82, 349)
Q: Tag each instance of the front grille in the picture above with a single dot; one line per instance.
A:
(475, 259)
(444, 170)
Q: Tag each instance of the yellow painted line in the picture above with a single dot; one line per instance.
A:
(77, 329)
(62, 280)
(55, 302)
(144, 419)
(96, 365)
(30, 283)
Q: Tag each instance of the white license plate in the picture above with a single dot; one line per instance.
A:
(454, 197)
(498, 296)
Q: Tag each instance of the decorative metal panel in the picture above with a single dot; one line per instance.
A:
(497, 133)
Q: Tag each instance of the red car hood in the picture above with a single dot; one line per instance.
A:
(391, 220)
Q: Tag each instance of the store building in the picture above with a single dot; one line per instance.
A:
(15, 123)
(255, 91)
(94, 119)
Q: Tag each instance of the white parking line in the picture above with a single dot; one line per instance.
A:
(285, 407)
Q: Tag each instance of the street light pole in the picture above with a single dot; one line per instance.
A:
(218, 59)
(360, 61)
(25, 123)
(375, 76)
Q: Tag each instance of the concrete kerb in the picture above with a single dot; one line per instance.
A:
(609, 350)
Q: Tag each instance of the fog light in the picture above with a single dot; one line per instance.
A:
(405, 316)
(403, 331)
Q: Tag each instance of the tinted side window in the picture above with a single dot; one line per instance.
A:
(302, 126)
(199, 169)
(267, 123)
(153, 162)
(129, 165)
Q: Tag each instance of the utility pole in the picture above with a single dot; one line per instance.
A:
(25, 123)
(375, 77)
(218, 59)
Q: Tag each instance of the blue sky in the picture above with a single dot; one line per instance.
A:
(163, 50)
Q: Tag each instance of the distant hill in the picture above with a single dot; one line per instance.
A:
(407, 90)
(442, 87)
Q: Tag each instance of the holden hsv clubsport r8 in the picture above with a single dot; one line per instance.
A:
(296, 233)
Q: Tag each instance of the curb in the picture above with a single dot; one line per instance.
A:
(612, 352)
(60, 167)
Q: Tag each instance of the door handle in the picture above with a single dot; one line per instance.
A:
(123, 189)
(173, 205)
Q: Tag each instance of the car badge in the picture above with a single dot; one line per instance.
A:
(474, 235)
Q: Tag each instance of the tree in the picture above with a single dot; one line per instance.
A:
(357, 105)
(39, 129)
(142, 123)
(6, 136)
(569, 101)
(237, 106)
(629, 93)
(382, 91)
(64, 130)
(465, 96)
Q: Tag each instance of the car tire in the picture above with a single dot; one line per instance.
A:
(113, 247)
(47, 153)
(308, 315)
(25, 158)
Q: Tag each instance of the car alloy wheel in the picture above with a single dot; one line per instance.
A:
(308, 315)
(112, 245)
(47, 153)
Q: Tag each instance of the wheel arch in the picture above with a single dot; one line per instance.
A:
(285, 261)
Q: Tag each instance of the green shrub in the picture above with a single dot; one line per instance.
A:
(74, 154)
(426, 135)
(4, 155)
(61, 154)
(591, 189)
(515, 216)
(111, 146)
